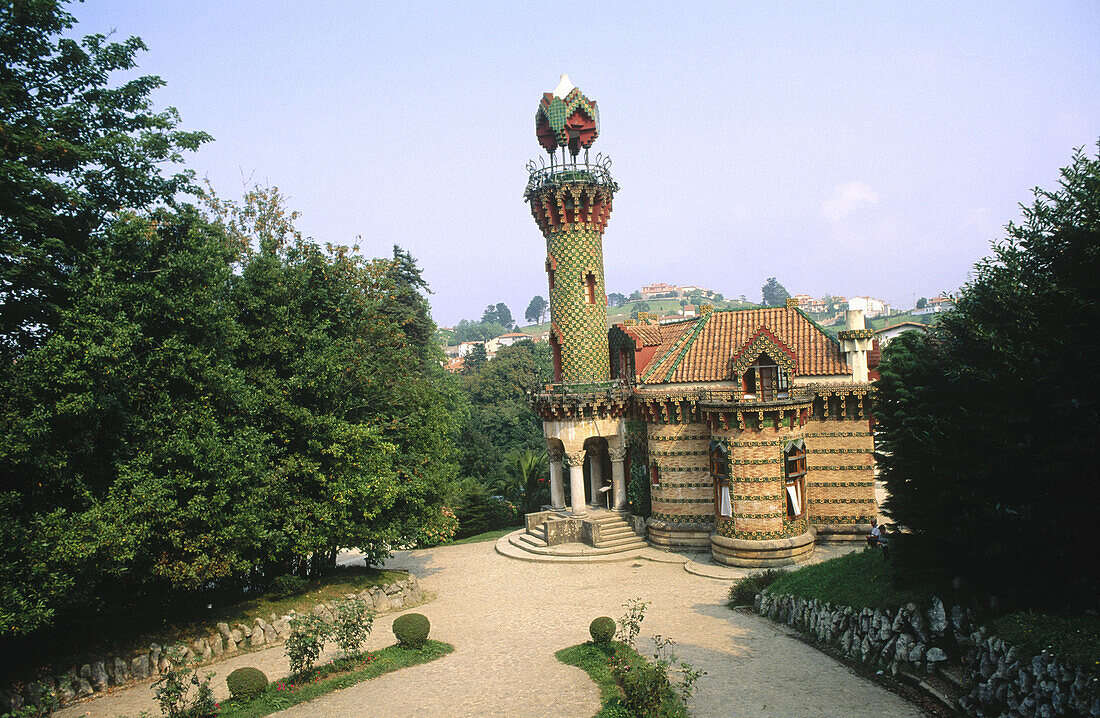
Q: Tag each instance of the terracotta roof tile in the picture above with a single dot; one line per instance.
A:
(702, 348)
(652, 335)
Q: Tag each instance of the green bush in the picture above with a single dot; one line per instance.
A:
(411, 629)
(306, 642)
(246, 683)
(353, 622)
(646, 689)
(183, 693)
(288, 585)
(743, 593)
(602, 629)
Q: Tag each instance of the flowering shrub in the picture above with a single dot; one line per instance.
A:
(306, 641)
(439, 529)
(182, 693)
(353, 623)
(648, 687)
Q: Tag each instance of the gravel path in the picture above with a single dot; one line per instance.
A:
(506, 618)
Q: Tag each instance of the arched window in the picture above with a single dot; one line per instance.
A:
(719, 460)
(765, 380)
(794, 470)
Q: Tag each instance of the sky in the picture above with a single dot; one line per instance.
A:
(846, 148)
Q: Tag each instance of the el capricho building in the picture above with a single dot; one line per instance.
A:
(751, 428)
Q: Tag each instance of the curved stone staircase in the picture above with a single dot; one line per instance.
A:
(599, 533)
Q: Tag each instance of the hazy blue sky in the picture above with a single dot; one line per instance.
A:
(847, 148)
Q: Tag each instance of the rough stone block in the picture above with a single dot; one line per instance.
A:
(140, 666)
(98, 676)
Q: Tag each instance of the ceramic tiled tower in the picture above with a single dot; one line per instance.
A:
(571, 202)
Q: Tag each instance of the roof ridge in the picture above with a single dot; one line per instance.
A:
(817, 326)
(656, 362)
(691, 337)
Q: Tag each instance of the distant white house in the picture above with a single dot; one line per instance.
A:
(871, 307)
(936, 305)
(504, 340)
(886, 334)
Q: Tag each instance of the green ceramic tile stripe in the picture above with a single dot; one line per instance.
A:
(687, 345)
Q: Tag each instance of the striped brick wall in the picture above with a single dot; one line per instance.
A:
(686, 494)
(840, 486)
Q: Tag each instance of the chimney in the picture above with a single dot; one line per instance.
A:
(855, 339)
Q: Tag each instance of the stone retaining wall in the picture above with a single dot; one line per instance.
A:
(1004, 682)
(217, 643)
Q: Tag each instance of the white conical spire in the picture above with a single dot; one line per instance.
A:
(564, 87)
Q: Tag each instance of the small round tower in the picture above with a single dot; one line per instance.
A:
(570, 200)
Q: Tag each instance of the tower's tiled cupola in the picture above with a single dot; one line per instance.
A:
(570, 200)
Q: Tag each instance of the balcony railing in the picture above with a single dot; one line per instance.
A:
(561, 174)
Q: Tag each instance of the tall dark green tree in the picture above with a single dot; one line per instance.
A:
(74, 149)
(986, 425)
(774, 293)
(500, 314)
(536, 310)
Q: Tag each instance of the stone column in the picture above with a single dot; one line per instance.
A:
(557, 490)
(595, 477)
(575, 461)
(618, 478)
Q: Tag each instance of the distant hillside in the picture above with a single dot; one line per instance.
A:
(660, 307)
(876, 323)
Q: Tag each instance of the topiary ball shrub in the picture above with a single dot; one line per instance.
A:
(411, 629)
(246, 683)
(602, 629)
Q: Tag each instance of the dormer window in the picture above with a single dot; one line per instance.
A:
(764, 380)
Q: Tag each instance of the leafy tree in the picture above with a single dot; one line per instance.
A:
(982, 422)
(125, 435)
(475, 360)
(922, 303)
(357, 404)
(774, 293)
(499, 314)
(536, 310)
(635, 295)
(615, 299)
(468, 331)
(74, 151)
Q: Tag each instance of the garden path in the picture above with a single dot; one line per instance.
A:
(506, 618)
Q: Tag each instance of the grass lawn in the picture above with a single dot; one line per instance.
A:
(334, 676)
(862, 579)
(594, 659)
(1076, 639)
(346, 579)
(487, 536)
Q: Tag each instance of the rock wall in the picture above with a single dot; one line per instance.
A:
(220, 641)
(1004, 682)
